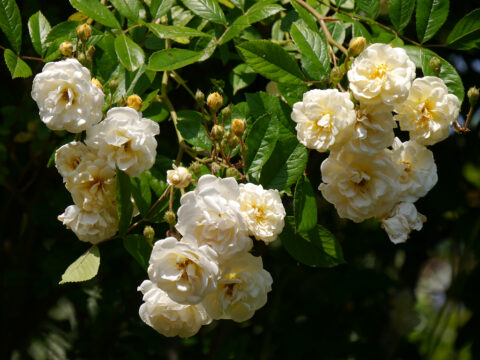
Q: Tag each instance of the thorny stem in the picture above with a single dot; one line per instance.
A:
(463, 129)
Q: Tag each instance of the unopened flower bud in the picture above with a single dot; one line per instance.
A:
(215, 167)
(217, 132)
(179, 177)
(233, 141)
(239, 126)
(84, 32)
(357, 45)
(170, 218)
(196, 168)
(66, 48)
(336, 74)
(232, 172)
(83, 60)
(97, 83)
(435, 64)
(215, 101)
(226, 113)
(473, 95)
(149, 233)
(113, 84)
(200, 97)
(134, 101)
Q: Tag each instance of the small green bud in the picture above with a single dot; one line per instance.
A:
(82, 59)
(217, 132)
(336, 74)
(435, 64)
(84, 32)
(196, 168)
(170, 218)
(233, 141)
(113, 84)
(200, 97)
(473, 95)
(149, 233)
(232, 172)
(226, 113)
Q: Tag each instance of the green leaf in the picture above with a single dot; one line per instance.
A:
(129, 53)
(260, 143)
(84, 268)
(18, 67)
(306, 16)
(337, 30)
(370, 7)
(430, 14)
(190, 125)
(316, 248)
(160, 7)
(39, 27)
(271, 61)
(291, 92)
(466, 34)
(421, 57)
(11, 23)
(138, 247)
(171, 32)
(261, 103)
(313, 47)
(262, 10)
(171, 59)
(241, 76)
(124, 203)
(240, 23)
(131, 9)
(97, 11)
(157, 112)
(288, 164)
(305, 206)
(207, 9)
(359, 30)
(149, 99)
(142, 195)
(400, 12)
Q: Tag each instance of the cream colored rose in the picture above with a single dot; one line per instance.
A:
(401, 221)
(242, 289)
(184, 271)
(91, 226)
(93, 184)
(179, 177)
(262, 211)
(418, 172)
(210, 215)
(360, 187)
(373, 130)
(126, 140)
(69, 156)
(429, 111)
(324, 119)
(381, 74)
(168, 317)
(66, 98)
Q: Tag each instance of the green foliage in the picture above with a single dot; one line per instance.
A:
(207, 9)
(466, 33)
(131, 9)
(140, 189)
(129, 53)
(430, 16)
(124, 203)
(190, 125)
(400, 12)
(84, 268)
(138, 247)
(97, 11)
(11, 23)
(172, 59)
(242, 76)
(17, 67)
(172, 32)
(370, 7)
(305, 205)
(39, 27)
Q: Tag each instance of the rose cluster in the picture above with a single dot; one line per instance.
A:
(69, 99)
(209, 273)
(369, 172)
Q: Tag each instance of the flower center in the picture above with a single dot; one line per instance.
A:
(407, 166)
(68, 95)
(425, 114)
(379, 72)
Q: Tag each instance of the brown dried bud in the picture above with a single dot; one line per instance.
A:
(217, 132)
(357, 45)
(97, 83)
(215, 101)
(170, 218)
(239, 126)
(66, 48)
(134, 101)
(84, 32)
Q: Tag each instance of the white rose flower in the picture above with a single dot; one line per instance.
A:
(126, 140)
(429, 111)
(168, 317)
(91, 226)
(210, 215)
(184, 271)
(401, 221)
(373, 130)
(360, 187)
(93, 185)
(242, 289)
(324, 119)
(69, 156)
(381, 74)
(418, 172)
(179, 177)
(262, 211)
(66, 98)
